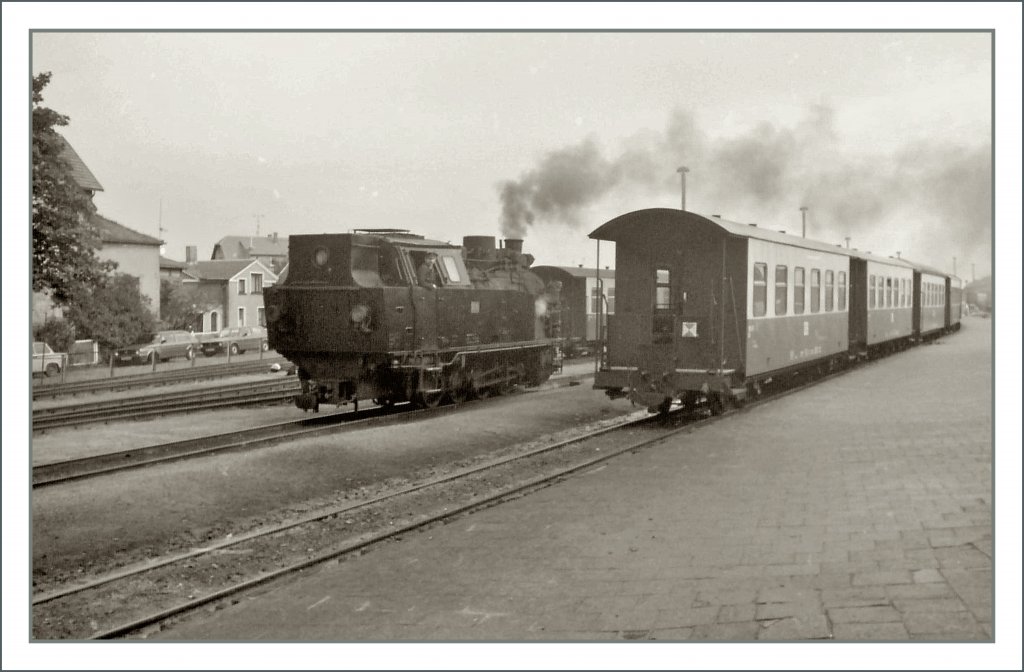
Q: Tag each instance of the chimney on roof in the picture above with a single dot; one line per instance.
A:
(191, 254)
(273, 236)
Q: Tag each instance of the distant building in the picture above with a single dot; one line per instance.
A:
(978, 294)
(173, 270)
(581, 298)
(272, 251)
(234, 290)
(135, 253)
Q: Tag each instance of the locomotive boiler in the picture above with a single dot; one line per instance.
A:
(391, 316)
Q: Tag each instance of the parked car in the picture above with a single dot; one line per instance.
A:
(163, 346)
(236, 340)
(45, 361)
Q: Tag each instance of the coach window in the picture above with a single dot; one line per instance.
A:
(896, 293)
(798, 290)
(815, 290)
(871, 292)
(829, 288)
(662, 289)
(662, 319)
(842, 290)
(760, 289)
(888, 292)
(781, 289)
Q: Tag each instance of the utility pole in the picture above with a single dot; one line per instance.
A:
(258, 218)
(683, 170)
(803, 221)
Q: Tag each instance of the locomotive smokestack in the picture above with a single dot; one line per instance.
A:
(514, 244)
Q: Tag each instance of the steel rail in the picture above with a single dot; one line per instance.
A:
(167, 377)
(163, 403)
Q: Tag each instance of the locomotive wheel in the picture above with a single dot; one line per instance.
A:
(431, 389)
(429, 399)
(460, 386)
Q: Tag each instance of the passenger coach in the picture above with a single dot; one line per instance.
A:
(712, 308)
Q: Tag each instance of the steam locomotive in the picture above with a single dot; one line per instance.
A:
(357, 318)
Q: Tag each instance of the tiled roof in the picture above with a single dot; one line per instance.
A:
(112, 232)
(242, 247)
(80, 172)
(225, 269)
(171, 263)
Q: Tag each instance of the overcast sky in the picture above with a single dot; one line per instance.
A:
(884, 136)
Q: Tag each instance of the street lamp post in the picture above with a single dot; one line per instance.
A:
(683, 170)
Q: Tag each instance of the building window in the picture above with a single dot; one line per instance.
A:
(798, 290)
(760, 289)
(611, 299)
(241, 317)
(213, 321)
(842, 290)
(257, 282)
(815, 290)
(781, 289)
(241, 285)
(261, 316)
(595, 300)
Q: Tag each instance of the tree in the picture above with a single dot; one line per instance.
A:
(181, 305)
(64, 242)
(115, 314)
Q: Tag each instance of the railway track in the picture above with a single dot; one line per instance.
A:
(237, 394)
(174, 585)
(64, 471)
(42, 390)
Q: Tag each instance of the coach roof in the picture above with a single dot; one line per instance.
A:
(627, 225)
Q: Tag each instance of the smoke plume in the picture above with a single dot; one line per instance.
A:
(765, 174)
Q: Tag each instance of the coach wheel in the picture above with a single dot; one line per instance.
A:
(234, 348)
(189, 354)
(264, 346)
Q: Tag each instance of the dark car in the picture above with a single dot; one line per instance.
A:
(236, 340)
(163, 346)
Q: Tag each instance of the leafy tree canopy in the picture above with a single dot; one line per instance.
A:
(64, 242)
(115, 313)
(181, 304)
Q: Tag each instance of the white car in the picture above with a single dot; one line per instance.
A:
(45, 361)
